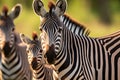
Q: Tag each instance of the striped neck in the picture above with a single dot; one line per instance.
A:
(39, 71)
(67, 57)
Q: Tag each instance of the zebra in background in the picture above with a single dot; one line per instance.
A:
(77, 57)
(13, 64)
(41, 71)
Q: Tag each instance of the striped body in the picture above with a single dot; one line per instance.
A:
(87, 58)
(41, 70)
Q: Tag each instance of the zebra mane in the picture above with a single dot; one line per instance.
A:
(83, 30)
(5, 10)
(51, 5)
(34, 36)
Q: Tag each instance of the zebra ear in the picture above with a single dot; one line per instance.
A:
(25, 39)
(60, 7)
(15, 11)
(38, 8)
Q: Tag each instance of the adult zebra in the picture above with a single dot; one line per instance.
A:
(13, 64)
(41, 71)
(78, 57)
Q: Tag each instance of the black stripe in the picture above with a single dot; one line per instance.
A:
(117, 57)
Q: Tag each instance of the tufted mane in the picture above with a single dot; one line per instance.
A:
(5, 10)
(34, 36)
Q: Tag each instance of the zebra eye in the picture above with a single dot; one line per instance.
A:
(13, 29)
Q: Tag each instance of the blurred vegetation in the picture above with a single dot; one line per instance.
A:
(102, 17)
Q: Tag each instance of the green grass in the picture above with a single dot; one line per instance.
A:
(27, 22)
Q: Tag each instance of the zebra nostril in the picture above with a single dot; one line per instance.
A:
(41, 50)
(45, 56)
(41, 29)
(27, 51)
(13, 29)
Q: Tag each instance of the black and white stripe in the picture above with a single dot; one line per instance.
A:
(14, 64)
(74, 26)
(87, 58)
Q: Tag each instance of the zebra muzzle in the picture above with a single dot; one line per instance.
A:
(51, 55)
(34, 63)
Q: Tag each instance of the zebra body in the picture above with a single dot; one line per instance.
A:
(13, 63)
(41, 70)
(87, 58)
(77, 57)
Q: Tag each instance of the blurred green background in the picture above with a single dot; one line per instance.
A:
(102, 17)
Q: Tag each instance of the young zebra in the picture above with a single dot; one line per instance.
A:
(78, 57)
(41, 71)
(13, 59)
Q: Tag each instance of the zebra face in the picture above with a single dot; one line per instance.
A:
(7, 25)
(34, 50)
(50, 21)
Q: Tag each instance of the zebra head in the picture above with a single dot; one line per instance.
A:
(7, 25)
(50, 21)
(34, 49)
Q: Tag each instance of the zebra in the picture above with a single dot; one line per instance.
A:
(13, 59)
(41, 70)
(77, 57)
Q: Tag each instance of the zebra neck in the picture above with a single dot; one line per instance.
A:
(69, 55)
(39, 71)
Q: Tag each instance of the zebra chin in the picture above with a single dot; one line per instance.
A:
(51, 55)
